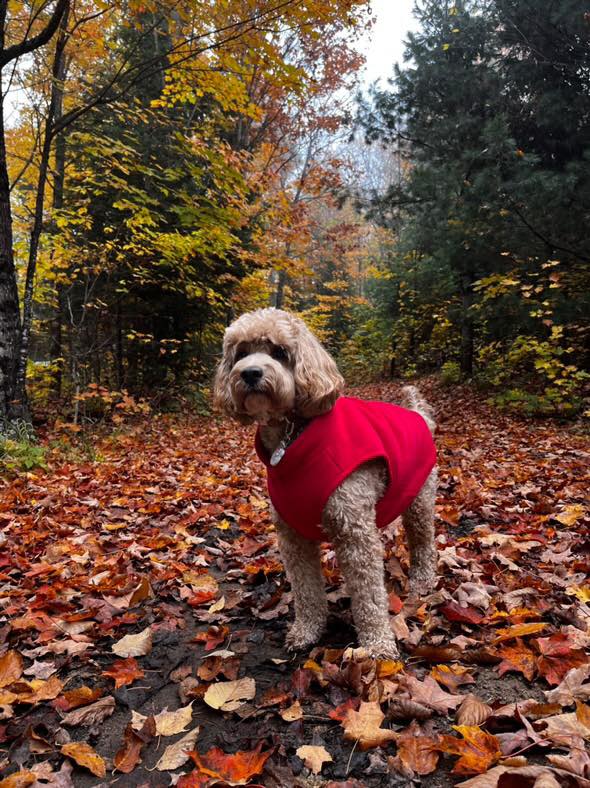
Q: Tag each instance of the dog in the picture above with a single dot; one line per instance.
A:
(329, 470)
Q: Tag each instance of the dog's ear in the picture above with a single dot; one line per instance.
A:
(317, 380)
(222, 398)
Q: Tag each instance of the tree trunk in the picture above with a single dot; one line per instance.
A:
(58, 73)
(9, 306)
(58, 201)
(280, 292)
(466, 325)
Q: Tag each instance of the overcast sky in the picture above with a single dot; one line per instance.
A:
(384, 45)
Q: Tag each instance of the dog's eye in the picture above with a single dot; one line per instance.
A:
(240, 354)
(279, 353)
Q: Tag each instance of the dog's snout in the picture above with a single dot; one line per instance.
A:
(251, 375)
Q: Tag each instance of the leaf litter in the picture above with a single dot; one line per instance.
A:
(144, 609)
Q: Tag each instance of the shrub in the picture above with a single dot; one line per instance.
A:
(450, 373)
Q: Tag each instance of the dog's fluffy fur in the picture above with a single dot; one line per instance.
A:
(297, 381)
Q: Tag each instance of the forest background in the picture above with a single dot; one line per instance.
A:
(175, 163)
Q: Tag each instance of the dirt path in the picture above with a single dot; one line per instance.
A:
(165, 534)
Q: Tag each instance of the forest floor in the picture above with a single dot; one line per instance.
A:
(144, 609)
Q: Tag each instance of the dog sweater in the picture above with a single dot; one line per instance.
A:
(333, 445)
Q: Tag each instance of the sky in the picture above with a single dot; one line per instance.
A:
(384, 44)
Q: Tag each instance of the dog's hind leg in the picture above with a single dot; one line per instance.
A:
(418, 520)
(301, 558)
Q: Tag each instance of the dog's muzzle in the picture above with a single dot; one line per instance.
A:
(252, 376)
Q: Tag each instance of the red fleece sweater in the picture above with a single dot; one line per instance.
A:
(332, 446)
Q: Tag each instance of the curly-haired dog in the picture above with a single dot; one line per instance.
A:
(338, 468)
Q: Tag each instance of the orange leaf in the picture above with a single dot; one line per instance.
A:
(416, 751)
(72, 699)
(11, 668)
(236, 769)
(19, 780)
(124, 671)
(519, 630)
(478, 749)
(452, 676)
(84, 755)
(518, 658)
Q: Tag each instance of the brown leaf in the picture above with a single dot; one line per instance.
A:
(91, 715)
(128, 756)
(364, 726)
(429, 694)
(473, 711)
(416, 751)
(85, 756)
(11, 668)
(571, 688)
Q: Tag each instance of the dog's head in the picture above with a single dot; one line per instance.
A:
(273, 367)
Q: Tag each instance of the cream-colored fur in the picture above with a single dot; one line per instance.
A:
(275, 372)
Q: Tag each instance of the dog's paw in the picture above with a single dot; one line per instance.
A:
(303, 635)
(381, 647)
(422, 581)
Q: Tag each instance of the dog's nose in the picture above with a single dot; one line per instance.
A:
(251, 375)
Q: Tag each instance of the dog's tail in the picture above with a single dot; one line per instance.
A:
(413, 400)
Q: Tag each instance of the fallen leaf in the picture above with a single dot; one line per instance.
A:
(453, 611)
(416, 751)
(518, 658)
(11, 668)
(478, 750)
(563, 728)
(473, 711)
(20, 779)
(128, 756)
(519, 630)
(292, 713)
(572, 687)
(85, 756)
(91, 715)
(168, 723)
(124, 671)
(72, 699)
(134, 645)
(452, 676)
(230, 695)
(364, 726)
(570, 514)
(313, 756)
(558, 657)
(429, 694)
(236, 769)
(177, 754)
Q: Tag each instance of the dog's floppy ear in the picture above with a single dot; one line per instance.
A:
(222, 398)
(317, 380)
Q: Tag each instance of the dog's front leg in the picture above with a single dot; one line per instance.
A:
(301, 558)
(349, 521)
